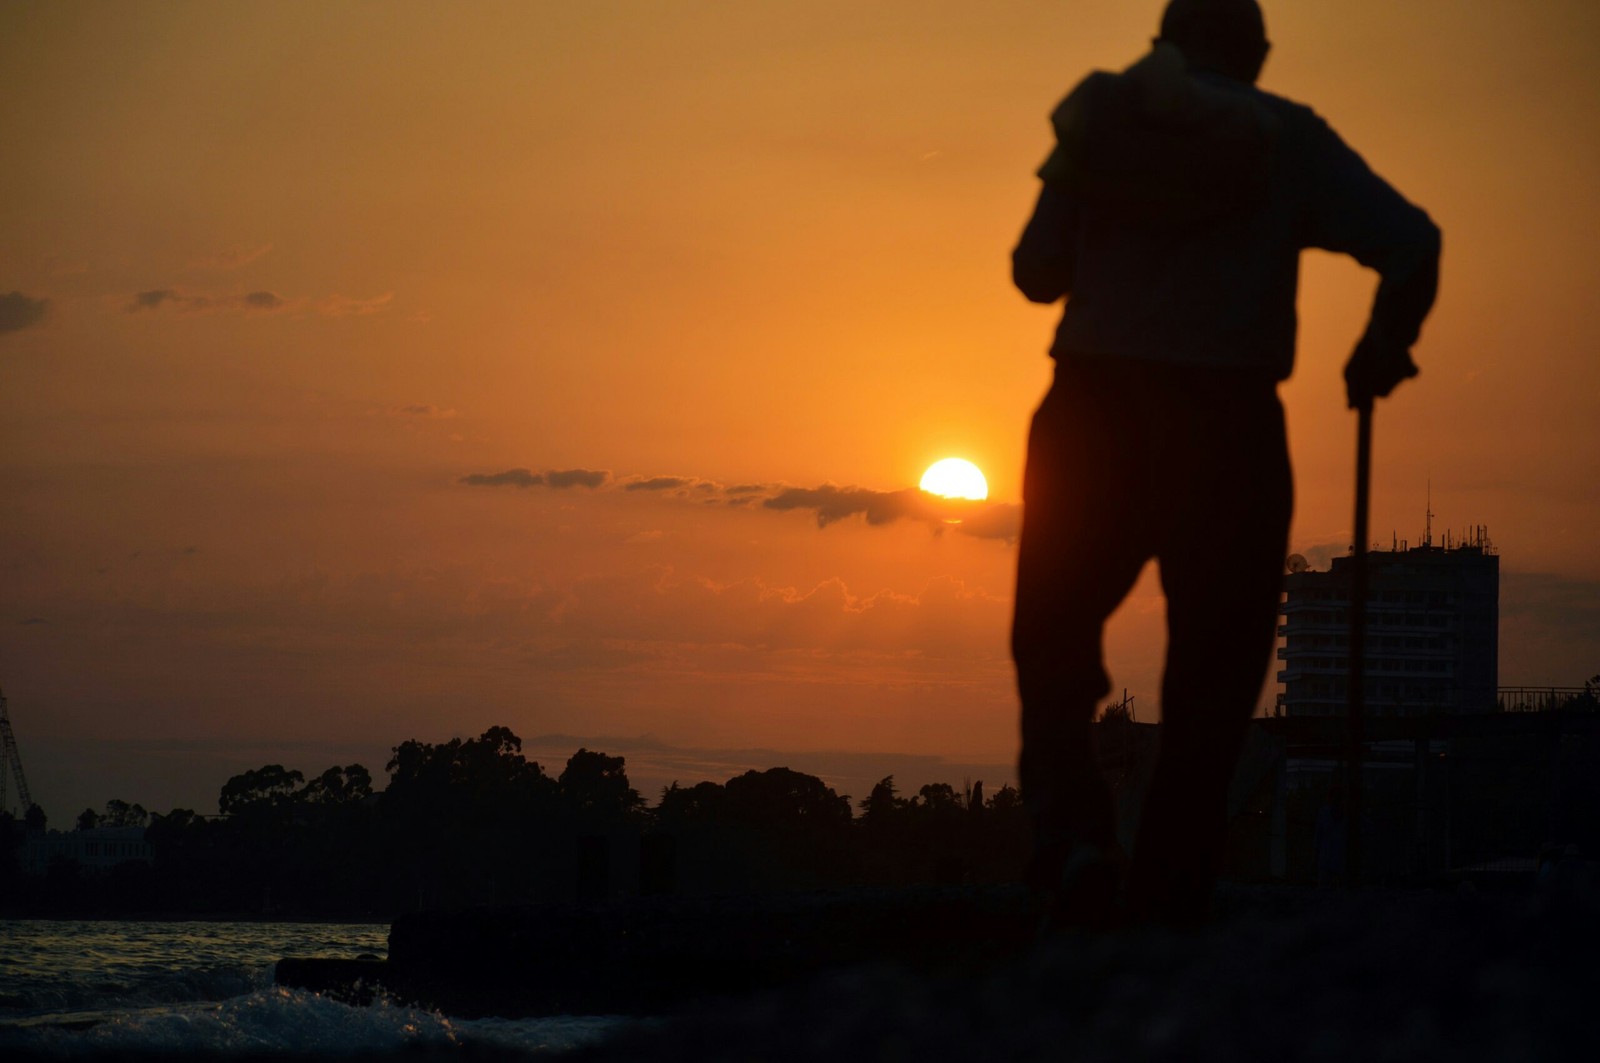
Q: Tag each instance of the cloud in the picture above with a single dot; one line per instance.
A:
(995, 520)
(262, 301)
(188, 303)
(657, 483)
(557, 478)
(509, 478)
(151, 299)
(422, 409)
(346, 306)
(32, 620)
(986, 520)
(576, 478)
(830, 503)
(19, 311)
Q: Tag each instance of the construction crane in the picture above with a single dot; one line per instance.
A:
(11, 761)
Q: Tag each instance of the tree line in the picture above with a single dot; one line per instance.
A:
(473, 821)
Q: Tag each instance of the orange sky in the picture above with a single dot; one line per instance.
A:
(386, 246)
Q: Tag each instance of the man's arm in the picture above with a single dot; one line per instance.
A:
(1356, 212)
(1044, 260)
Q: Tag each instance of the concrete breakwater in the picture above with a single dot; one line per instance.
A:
(646, 955)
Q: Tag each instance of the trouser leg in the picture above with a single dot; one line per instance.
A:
(1066, 797)
(1080, 552)
(1222, 573)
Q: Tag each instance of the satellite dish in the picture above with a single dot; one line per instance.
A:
(1297, 563)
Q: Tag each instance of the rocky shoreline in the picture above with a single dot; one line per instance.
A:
(1374, 976)
(1282, 974)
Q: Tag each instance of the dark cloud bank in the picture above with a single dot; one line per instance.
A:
(829, 502)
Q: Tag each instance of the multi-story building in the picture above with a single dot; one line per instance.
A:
(1432, 632)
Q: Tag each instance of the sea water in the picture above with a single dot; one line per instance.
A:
(106, 987)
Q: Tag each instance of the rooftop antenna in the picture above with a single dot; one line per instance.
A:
(1428, 537)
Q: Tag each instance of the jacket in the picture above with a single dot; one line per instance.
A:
(1174, 210)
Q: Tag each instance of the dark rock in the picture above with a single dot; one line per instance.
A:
(349, 981)
(648, 955)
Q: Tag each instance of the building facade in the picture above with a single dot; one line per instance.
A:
(96, 849)
(1432, 632)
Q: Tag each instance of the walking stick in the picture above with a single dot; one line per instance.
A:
(1358, 640)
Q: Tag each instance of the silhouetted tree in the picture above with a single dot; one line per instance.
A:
(339, 786)
(120, 813)
(782, 799)
(683, 806)
(595, 787)
(1006, 801)
(941, 799)
(463, 820)
(472, 820)
(270, 785)
(882, 803)
(798, 824)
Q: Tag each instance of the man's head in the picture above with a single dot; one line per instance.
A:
(1227, 37)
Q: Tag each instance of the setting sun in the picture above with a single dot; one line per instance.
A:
(955, 478)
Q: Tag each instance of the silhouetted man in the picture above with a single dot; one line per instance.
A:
(1172, 217)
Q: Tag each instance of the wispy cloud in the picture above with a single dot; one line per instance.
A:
(184, 300)
(557, 478)
(19, 311)
(192, 302)
(831, 503)
(422, 409)
(348, 306)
